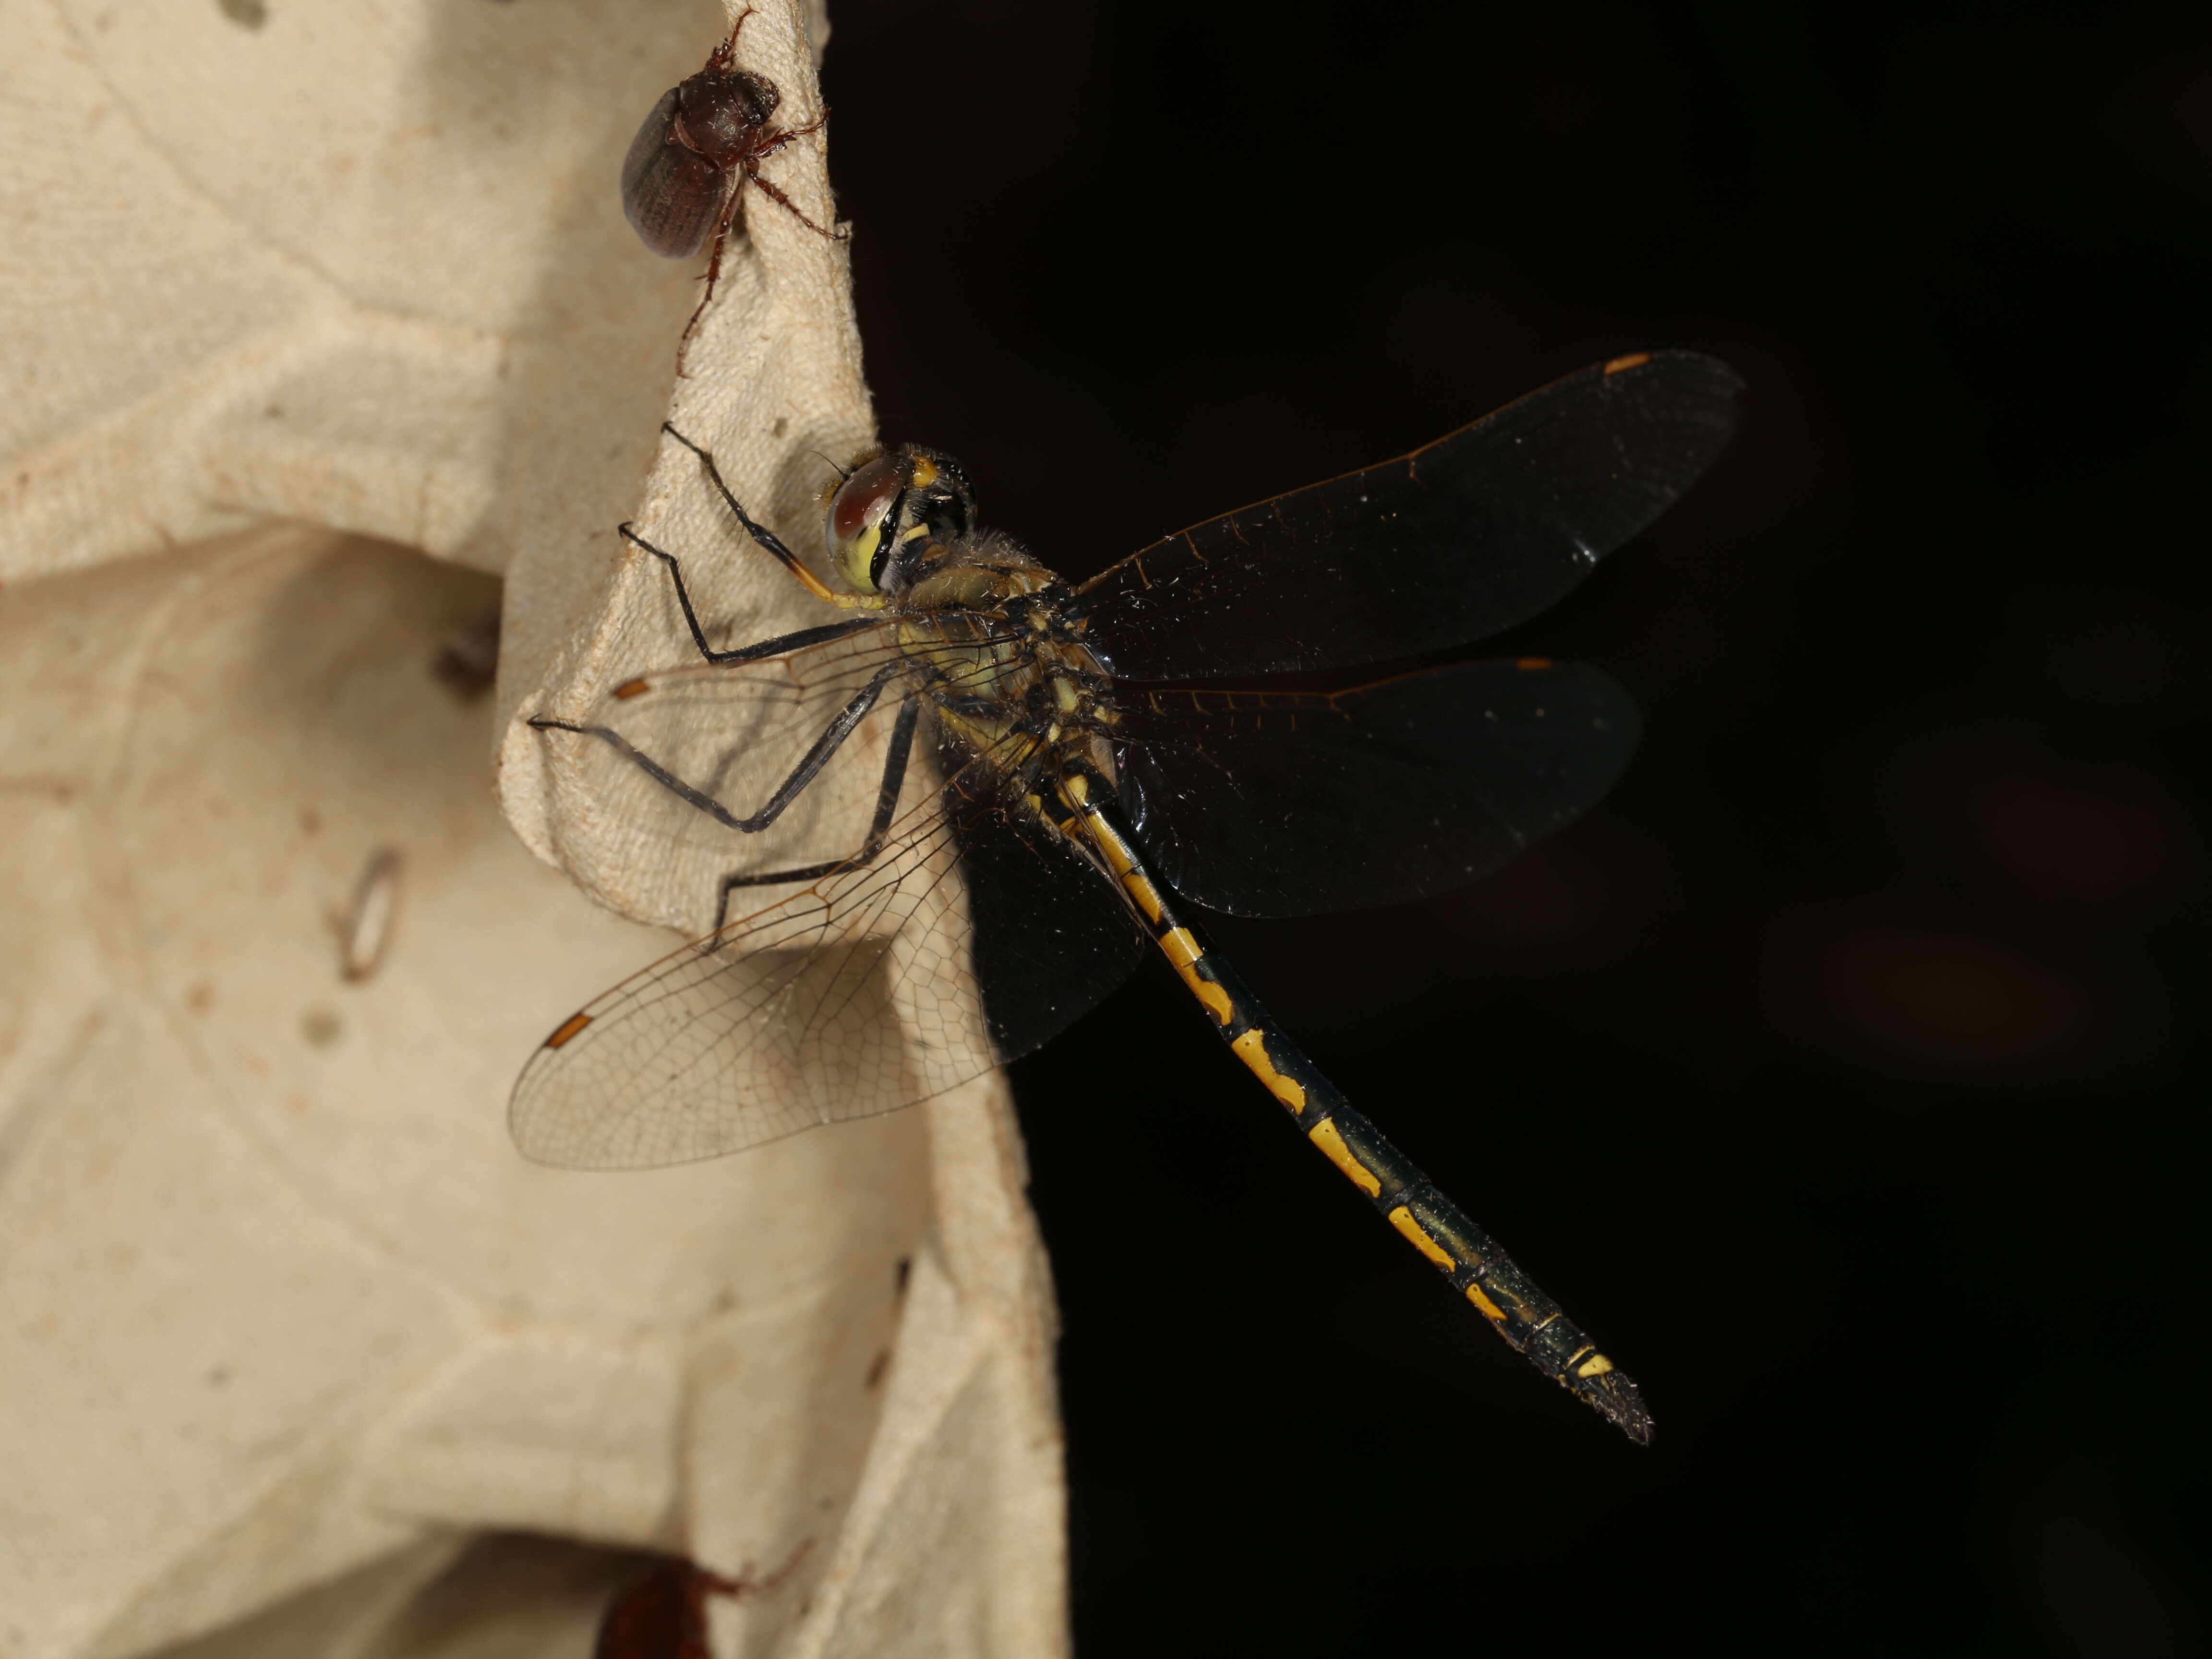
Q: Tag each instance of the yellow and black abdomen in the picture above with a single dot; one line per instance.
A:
(1492, 1283)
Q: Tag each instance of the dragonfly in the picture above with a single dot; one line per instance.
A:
(960, 810)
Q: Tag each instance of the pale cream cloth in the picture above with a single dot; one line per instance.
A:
(288, 1334)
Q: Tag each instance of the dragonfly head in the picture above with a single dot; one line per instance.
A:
(889, 510)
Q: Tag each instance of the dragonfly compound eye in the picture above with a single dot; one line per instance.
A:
(857, 515)
(894, 508)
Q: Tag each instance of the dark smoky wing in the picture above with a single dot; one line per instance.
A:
(1293, 804)
(1052, 936)
(1476, 531)
(672, 195)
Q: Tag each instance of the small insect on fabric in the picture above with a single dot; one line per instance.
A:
(662, 1613)
(682, 182)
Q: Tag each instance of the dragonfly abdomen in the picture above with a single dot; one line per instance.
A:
(1528, 1320)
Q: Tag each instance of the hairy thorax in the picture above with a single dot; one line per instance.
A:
(999, 638)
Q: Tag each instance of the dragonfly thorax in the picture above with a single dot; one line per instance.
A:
(998, 640)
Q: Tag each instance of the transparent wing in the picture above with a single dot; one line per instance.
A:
(850, 997)
(852, 990)
(732, 736)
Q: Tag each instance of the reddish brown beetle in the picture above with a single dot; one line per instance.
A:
(683, 178)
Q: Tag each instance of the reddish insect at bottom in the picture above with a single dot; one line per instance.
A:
(662, 1613)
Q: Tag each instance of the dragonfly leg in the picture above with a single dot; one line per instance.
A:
(887, 795)
(773, 647)
(809, 768)
(767, 539)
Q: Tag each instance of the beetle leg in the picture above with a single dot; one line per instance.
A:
(774, 194)
(714, 271)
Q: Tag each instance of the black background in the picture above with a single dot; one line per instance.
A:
(1841, 1073)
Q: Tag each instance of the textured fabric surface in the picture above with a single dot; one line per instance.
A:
(297, 1357)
